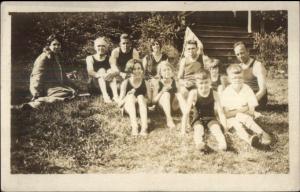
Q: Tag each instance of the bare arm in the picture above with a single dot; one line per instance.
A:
(113, 60)
(135, 54)
(219, 110)
(90, 67)
(145, 64)
(181, 69)
(121, 102)
(233, 112)
(148, 96)
(260, 73)
(250, 110)
(156, 94)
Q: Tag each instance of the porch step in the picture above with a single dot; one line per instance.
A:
(227, 59)
(222, 51)
(222, 33)
(222, 44)
(218, 40)
(219, 28)
(232, 39)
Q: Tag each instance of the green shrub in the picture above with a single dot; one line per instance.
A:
(272, 50)
(158, 26)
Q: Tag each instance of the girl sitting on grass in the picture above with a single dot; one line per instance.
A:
(164, 91)
(135, 92)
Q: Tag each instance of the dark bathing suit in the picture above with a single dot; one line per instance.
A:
(93, 85)
(204, 109)
(141, 90)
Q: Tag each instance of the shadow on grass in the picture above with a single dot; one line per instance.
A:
(277, 108)
(274, 127)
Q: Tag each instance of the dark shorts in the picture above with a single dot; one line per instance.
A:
(204, 121)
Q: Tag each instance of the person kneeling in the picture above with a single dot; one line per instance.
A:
(205, 103)
(135, 92)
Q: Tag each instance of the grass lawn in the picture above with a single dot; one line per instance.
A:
(88, 136)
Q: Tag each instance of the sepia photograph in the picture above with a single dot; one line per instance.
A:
(117, 89)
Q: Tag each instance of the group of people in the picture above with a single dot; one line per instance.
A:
(215, 101)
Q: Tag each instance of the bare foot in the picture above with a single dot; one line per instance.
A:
(107, 99)
(144, 132)
(182, 132)
(171, 124)
(116, 99)
(135, 130)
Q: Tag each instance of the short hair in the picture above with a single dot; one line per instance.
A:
(234, 68)
(192, 42)
(53, 37)
(213, 63)
(152, 41)
(203, 74)
(130, 65)
(238, 44)
(164, 63)
(124, 36)
(101, 39)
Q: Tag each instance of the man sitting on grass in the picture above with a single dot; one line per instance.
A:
(239, 101)
(254, 73)
(118, 60)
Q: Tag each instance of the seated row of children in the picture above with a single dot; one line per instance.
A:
(199, 89)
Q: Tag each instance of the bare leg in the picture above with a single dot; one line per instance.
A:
(131, 110)
(165, 103)
(215, 129)
(240, 130)
(102, 85)
(198, 136)
(249, 123)
(143, 114)
(182, 100)
(114, 88)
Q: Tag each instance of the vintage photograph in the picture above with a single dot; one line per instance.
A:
(154, 92)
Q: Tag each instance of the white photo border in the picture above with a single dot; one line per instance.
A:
(138, 182)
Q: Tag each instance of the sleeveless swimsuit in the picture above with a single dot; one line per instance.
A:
(141, 90)
(204, 109)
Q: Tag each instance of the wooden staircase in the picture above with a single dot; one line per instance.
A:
(218, 40)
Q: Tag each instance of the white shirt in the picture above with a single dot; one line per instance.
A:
(233, 100)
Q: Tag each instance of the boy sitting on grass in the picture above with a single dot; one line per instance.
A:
(205, 103)
(218, 81)
(239, 101)
(191, 64)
